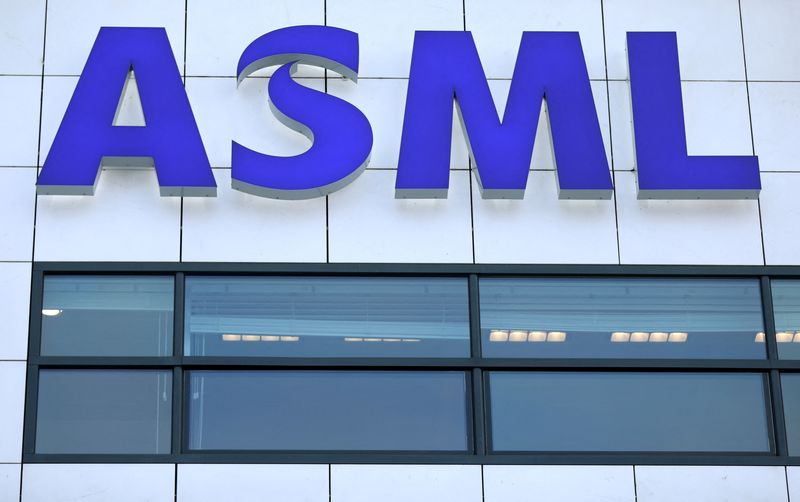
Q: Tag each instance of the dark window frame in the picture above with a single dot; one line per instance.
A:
(474, 366)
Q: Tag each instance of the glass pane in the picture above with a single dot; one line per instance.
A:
(786, 305)
(628, 412)
(790, 389)
(104, 411)
(326, 410)
(622, 318)
(107, 316)
(327, 317)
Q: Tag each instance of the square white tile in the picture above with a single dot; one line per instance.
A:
(716, 120)
(9, 482)
(404, 483)
(497, 27)
(710, 483)
(98, 482)
(686, 232)
(15, 294)
(17, 206)
(217, 33)
(383, 102)
(252, 483)
(240, 227)
(543, 229)
(771, 39)
(72, 26)
(709, 35)
(225, 113)
(386, 33)
(775, 107)
(779, 216)
(367, 224)
(564, 483)
(22, 28)
(125, 220)
(19, 128)
(12, 395)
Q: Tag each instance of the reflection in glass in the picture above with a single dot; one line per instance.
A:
(104, 411)
(628, 412)
(786, 305)
(790, 390)
(622, 318)
(90, 315)
(327, 316)
(326, 410)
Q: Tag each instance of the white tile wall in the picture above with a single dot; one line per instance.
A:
(12, 395)
(716, 116)
(793, 482)
(217, 32)
(22, 36)
(367, 224)
(383, 102)
(780, 214)
(125, 220)
(19, 123)
(9, 482)
(776, 119)
(17, 202)
(555, 231)
(710, 484)
(72, 26)
(56, 94)
(98, 482)
(709, 35)
(252, 483)
(686, 232)
(562, 483)
(771, 39)
(239, 227)
(15, 294)
(386, 33)
(404, 483)
(497, 27)
(225, 113)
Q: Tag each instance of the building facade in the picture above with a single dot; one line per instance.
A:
(356, 346)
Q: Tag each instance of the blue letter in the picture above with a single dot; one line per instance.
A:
(86, 138)
(445, 65)
(341, 134)
(664, 168)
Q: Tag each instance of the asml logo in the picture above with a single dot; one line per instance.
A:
(445, 66)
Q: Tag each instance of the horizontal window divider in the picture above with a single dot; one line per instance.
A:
(626, 364)
(662, 458)
(367, 269)
(190, 363)
(104, 362)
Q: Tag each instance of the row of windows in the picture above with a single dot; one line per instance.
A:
(174, 364)
(418, 317)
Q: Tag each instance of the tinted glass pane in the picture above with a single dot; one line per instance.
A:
(622, 318)
(107, 316)
(319, 410)
(786, 305)
(790, 387)
(628, 412)
(104, 411)
(327, 317)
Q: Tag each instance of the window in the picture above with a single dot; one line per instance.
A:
(422, 364)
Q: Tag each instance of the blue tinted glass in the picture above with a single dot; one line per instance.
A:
(324, 410)
(91, 315)
(628, 412)
(786, 305)
(327, 317)
(622, 318)
(790, 388)
(104, 411)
